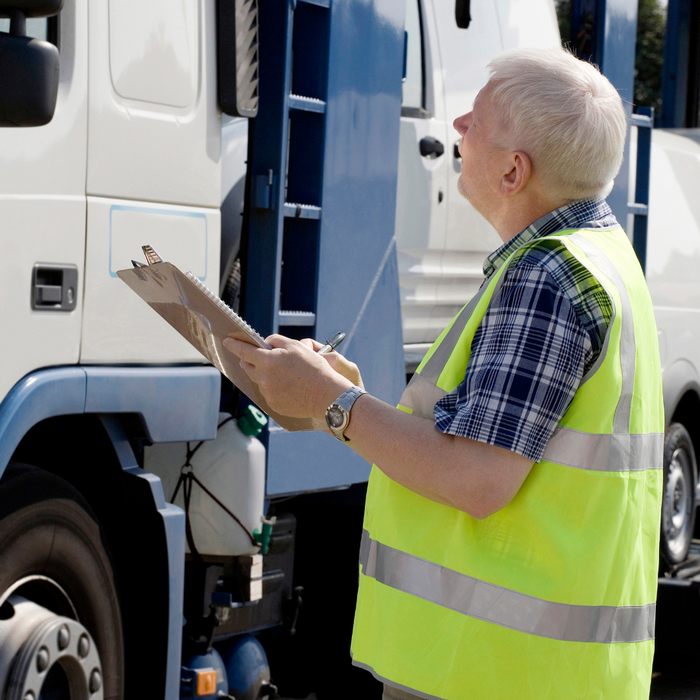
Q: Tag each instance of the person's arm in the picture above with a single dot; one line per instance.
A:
(474, 477)
(471, 476)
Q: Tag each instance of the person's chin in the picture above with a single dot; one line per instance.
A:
(463, 189)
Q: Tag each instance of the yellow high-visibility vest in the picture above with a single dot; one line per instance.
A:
(552, 597)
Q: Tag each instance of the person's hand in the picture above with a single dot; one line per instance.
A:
(338, 362)
(292, 377)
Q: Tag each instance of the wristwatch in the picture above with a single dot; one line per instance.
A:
(338, 413)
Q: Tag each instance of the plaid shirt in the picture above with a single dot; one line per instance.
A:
(541, 333)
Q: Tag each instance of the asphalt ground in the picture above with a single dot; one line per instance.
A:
(677, 660)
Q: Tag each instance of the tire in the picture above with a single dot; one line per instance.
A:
(678, 504)
(47, 529)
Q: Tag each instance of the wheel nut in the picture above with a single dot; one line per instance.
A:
(42, 659)
(63, 637)
(83, 646)
(95, 681)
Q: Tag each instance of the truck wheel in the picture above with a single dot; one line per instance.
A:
(60, 624)
(678, 505)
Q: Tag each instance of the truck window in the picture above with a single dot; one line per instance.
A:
(413, 93)
(156, 59)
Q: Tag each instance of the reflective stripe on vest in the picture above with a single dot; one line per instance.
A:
(502, 606)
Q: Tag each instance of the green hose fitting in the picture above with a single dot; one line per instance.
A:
(263, 538)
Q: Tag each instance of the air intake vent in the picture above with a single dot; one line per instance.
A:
(238, 57)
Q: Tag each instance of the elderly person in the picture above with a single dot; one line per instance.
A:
(511, 527)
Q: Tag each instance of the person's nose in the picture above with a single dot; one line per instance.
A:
(461, 124)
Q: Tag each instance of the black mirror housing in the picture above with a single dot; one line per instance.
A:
(29, 72)
(31, 8)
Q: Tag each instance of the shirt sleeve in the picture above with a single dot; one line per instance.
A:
(526, 362)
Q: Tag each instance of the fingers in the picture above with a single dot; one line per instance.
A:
(311, 343)
(279, 341)
(250, 370)
(343, 366)
(245, 351)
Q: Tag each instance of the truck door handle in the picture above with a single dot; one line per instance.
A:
(430, 147)
(54, 287)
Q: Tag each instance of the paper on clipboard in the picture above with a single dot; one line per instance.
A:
(198, 317)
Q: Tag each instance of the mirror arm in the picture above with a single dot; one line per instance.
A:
(18, 23)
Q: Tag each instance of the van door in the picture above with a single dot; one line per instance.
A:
(422, 180)
(42, 215)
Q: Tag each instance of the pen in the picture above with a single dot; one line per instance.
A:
(332, 343)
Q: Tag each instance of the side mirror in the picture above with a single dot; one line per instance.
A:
(29, 68)
(462, 14)
(237, 64)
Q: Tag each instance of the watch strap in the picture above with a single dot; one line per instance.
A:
(345, 402)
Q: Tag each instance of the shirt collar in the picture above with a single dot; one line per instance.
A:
(591, 213)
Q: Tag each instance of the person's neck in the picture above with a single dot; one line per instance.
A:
(517, 213)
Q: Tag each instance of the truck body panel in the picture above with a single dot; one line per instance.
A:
(42, 199)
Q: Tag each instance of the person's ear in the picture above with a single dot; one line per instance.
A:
(515, 175)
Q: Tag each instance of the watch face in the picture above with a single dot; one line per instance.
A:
(335, 417)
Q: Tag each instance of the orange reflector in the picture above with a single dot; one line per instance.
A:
(206, 682)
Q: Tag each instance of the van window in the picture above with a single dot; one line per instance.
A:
(36, 28)
(413, 97)
(44, 28)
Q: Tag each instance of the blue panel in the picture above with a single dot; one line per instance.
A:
(644, 121)
(617, 63)
(307, 461)
(358, 290)
(310, 461)
(41, 395)
(177, 403)
(174, 527)
(376, 333)
(339, 268)
(159, 394)
(675, 64)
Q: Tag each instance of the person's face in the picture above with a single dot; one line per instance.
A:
(480, 158)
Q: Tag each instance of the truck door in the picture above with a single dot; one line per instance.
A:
(421, 206)
(42, 215)
(154, 168)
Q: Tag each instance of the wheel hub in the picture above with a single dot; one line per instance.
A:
(37, 644)
(678, 500)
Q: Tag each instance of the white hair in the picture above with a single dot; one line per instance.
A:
(564, 114)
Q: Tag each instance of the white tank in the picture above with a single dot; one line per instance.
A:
(232, 467)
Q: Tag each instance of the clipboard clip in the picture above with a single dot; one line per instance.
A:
(152, 258)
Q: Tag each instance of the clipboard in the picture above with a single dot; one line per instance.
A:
(204, 320)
